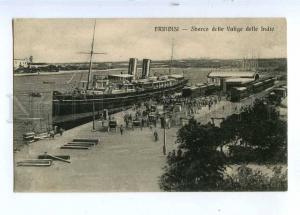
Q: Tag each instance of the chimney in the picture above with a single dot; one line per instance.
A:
(132, 67)
(146, 68)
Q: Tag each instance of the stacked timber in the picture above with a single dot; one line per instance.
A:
(46, 156)
(36, 162)
(81, 144)
(88, 140)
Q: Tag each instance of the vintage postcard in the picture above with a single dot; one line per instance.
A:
(150, 105)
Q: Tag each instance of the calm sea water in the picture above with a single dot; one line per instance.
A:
(34, 113)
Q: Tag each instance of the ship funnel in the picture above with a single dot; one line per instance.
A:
(132, 67)
(146, 68)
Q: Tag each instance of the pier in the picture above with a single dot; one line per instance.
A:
(130, 162)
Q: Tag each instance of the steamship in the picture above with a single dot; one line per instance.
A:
(111, 93)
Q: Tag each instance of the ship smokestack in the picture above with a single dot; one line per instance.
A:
(146, 68)
(132, 67)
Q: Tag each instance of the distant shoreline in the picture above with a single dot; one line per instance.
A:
(64, 72)
(80, 71)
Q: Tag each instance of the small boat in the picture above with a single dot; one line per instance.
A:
(48, 82)
(35, 94)
(29, 137)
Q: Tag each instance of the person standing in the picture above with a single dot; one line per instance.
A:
(61, 131)
(141, 124)
(51, 134)
(155, 136)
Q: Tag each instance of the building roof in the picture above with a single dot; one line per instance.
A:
(241, 88)
(143, 81)
(200, 84)
(239, 80)
(176, 76)
(257, 83)
(280, 89)
(191, 87)
(228, 74)
(121, 75)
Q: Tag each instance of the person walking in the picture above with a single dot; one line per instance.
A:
(121, 129)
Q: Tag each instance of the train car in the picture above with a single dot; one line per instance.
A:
(190, 91)
(199, 90)
(238, 93)
(263, 84)
(202, 89)
(277, 94)
(280, 91)
(269, 82)
(210, 89)
(257, 87)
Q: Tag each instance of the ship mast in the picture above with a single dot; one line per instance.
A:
(91, 53)
(91, 57)
(171, 60)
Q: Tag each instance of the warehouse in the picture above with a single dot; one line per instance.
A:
(229, 79)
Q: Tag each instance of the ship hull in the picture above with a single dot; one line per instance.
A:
(69, 111)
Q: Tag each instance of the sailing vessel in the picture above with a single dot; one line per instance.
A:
(111, 93)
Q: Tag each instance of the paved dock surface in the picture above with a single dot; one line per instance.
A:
(129, 162)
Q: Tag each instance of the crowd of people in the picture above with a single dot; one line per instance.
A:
(191, 105)
(162, 111)
(158, 112)
(142, 115)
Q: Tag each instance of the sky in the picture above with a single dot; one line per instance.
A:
(62, 40)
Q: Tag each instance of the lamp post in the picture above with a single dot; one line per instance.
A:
(94, 111)
(165, 136)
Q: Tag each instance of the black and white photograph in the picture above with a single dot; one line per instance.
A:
(150, 104)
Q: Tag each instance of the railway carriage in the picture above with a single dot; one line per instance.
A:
(238, 93)
(199, 90)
